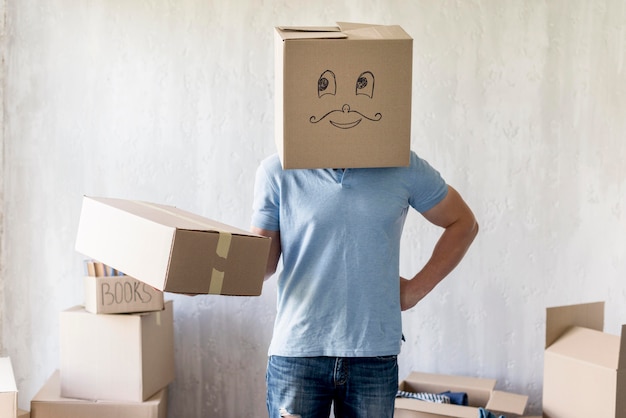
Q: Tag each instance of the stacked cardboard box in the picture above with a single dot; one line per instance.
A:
(117, 351)
(109, 291)
(111, 365)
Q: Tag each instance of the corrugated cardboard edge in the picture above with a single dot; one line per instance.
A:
(559, 319)
(621, 364)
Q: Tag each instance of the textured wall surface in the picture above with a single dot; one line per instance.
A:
(520, 105)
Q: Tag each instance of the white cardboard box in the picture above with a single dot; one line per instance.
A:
(8, 389)
(118, 357)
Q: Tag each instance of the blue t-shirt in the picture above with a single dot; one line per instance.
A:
(338, 291)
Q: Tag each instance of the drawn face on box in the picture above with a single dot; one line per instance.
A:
(340, 95)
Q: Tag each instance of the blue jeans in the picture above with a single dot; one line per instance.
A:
(360, 387)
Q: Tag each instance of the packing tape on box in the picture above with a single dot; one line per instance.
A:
(223, 244)
(217, 280)
(222, 250)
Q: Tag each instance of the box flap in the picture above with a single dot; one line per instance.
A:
(348, 26)
(392, 32)
(477, 389)
(621, 364)
(559, 319)
(310, 32)
(507, 402)
(589, 346)
(306, 29)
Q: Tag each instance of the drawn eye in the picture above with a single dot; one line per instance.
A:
(365, 84)
(326, 84)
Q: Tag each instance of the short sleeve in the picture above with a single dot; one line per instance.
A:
(427, 186)
(266, 202)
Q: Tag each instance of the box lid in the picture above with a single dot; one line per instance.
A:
(343, 30)
(589, 346)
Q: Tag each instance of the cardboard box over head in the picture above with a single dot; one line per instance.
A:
(584, 367)
(171, 249)
(480, 392)
(117, 357)
(343, 96)
(48, 403)
(8, 389)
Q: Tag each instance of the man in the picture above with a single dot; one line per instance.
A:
(338, 326)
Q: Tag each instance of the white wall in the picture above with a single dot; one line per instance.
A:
(521, 106)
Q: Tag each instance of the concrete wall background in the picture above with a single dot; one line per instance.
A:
(520, 105)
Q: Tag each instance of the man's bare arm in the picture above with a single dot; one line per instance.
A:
(460, 229)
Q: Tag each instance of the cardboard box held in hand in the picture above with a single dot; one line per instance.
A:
(343, 96)
(171, 249)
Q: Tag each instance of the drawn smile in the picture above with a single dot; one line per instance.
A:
(345, 125)
(345, 118)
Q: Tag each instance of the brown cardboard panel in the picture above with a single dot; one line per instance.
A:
(119, 357)
(478, 389)
(48, 403)
(8, 389)
(344, 103)
(574, 389)
(23, 414)
(170, 249)
(587, 315)
(120, 294)
(506, 402)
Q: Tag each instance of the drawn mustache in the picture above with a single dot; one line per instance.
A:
(346, 110)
